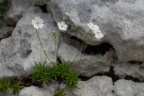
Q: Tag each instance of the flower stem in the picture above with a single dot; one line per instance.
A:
(56, 47)
(83, 51)
(43, 47)
(80, 46)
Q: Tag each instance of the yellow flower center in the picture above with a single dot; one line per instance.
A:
(37, 23)
(62, 26)
(93, 27)
(97, 33)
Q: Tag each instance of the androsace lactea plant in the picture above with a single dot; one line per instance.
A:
(61, 71)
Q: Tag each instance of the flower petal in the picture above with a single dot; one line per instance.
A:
(59, 24)
(41, 25)
(33, 22)
(62, 22)
(35, 26)
(65, 26)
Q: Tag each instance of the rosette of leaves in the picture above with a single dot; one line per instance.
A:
(63, 72)
(16, 86)
(4, 84)
(60, 93)
(40, 73)
(7, 84)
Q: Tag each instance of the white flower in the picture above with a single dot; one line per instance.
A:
(62, 25)
(37, 22)
(92, 26)
(98, 34)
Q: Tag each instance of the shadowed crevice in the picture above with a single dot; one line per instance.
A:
(43, 8)
(86, 48)
(99, 49)
(111, 74)
(135, 62)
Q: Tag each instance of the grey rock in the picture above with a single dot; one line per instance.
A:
(6, 51)
(96, 86)
(36, 91)
(121, 21)
(86, 65)
(18, 8)
(23, 49)
(128, 88)
(127, 69)
(5, 31)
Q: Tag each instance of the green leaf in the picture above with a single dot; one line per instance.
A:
(45, 78)
(39, 71)
(53, 72)
(16, 86)
(4, 84)
(60, 93)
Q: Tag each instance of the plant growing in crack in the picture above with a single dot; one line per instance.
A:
(4, 84)
(14, 85)
(62, 72)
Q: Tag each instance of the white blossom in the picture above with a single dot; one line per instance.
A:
(98, 34)
(92, 26)
(62, 26)
(37, 22)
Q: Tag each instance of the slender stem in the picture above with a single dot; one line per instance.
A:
(39, 39)
(58, 44)
(83, 51)
(54, 35)
(59, 39)
(56, 50)
(43, 47)
(80, 46)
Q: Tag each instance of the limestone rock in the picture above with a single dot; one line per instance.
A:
(127, 69)
(6, 52)
(23, 49)
(36, 91)
(128, 88)
(5, 31)
(96, 86)
(121, 21)
(86, 65)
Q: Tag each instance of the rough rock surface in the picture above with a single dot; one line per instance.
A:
(127, 69)
(96, 86)
(25, 47)
(120, 20)
(19, 52)
(128, 88)
(5, 31)
(35, 91)
(86, 65)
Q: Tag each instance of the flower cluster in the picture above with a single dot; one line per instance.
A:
(37, 22)
(96, 30)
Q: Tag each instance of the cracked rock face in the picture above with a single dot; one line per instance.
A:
(19, 52)
(97, 86)
(35, 91)
(86, 65)
(127, 69)
(128, 88)
(121, 22)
